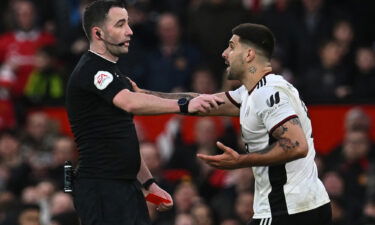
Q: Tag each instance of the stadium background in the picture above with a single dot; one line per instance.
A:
(324, 47)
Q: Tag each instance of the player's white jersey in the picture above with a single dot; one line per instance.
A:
(284, 189)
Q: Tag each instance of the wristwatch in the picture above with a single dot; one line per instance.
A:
(146, 185)
(183, 103)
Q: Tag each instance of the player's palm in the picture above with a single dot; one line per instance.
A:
(228, 160)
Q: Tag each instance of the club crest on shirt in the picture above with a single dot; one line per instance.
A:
(102, 79)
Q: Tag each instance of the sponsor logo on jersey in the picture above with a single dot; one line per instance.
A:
(102, 79)
(274, 99)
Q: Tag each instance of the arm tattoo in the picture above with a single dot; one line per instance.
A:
(188, 95)
(286, 143)
(280, 131)
(265, 150)
(295, 121)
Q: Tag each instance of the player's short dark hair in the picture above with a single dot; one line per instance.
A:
(96, 12)
(258, 35)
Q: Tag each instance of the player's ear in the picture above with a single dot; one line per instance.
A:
(250, 54)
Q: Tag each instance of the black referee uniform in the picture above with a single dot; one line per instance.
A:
(106, 191)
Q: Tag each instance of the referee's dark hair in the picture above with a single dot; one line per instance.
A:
(96, 12)
(257, 35)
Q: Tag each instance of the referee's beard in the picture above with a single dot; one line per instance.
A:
(116, 50)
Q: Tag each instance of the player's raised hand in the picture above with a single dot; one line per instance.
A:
(230, 159)
(204, 103)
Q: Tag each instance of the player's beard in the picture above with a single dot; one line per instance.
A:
(234, 71)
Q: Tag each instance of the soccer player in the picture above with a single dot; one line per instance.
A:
(277, 133)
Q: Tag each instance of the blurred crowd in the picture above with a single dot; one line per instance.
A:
(324, 47)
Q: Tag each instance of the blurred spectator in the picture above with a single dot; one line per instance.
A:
(29, 215)
(63, 150)
(61, 203)
(357, 119)
(17, 47)
(37, 134)
(343, 34)
(46, 84)
(339, 213)
(169, 67)
(185, 196)
(244, 206)
(352, 162)
(230, 221)
(281, 19)
(313, 24)
(16, 173)
(368, 217)
(203, 81)
(209, 27)
(68, 218)
(328, 81)
(279, 67)
(334, 184)
(202, 214)
(364, 76)
(184, 219)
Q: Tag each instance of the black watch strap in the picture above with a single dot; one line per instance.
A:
(183, 103)
(146, 185)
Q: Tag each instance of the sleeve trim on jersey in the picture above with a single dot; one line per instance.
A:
(282, 122)
(232, 100)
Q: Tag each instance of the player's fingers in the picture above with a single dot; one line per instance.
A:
(222, 146)
(207, 158)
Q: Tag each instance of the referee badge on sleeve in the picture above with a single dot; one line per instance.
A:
(102, 79)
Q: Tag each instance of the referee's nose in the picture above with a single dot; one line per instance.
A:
(128, 31)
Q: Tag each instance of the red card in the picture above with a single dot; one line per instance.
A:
(157, 200)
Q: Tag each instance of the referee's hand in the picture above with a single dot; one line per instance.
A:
(156, 190)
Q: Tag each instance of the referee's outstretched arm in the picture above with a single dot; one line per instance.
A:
(228, 107)
(145, 104)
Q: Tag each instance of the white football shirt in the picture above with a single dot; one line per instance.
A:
(292, 187)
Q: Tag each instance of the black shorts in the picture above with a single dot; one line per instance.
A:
(318, 216)
(110, 202)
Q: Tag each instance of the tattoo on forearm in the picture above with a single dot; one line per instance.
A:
(295, 121)
(189, 95)
(286, 144)
(265, 150)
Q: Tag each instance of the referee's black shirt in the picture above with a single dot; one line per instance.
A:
(105, 134)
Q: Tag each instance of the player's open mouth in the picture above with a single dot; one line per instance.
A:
(127, 43)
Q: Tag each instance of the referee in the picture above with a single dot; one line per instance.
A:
(101, 104)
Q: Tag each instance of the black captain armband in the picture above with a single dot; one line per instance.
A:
(146, 185)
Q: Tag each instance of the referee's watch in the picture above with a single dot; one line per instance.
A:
(183, 103)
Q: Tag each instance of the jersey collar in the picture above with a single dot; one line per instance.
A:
(101, 56)
(249, 92)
